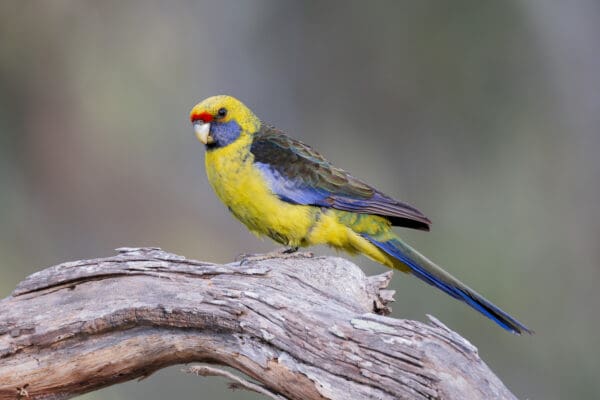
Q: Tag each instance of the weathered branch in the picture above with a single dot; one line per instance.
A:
(302, 328)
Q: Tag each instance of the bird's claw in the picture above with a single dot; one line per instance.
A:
(282, 253)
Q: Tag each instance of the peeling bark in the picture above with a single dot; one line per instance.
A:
(302, 328)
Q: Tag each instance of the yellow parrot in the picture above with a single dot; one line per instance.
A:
(283, 189)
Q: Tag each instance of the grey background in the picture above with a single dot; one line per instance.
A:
(483, 114)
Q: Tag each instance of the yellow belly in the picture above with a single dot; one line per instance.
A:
(243, 189)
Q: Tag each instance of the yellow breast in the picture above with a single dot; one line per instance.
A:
(243, 189)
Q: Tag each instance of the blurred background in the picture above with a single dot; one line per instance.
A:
(482, 114)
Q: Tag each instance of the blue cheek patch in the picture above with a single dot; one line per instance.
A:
(225, 133)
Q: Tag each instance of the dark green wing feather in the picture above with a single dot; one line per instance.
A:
(300, 175)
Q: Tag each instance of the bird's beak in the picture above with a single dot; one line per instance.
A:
(202, 130)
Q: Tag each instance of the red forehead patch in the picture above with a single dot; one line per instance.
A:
(201, 116)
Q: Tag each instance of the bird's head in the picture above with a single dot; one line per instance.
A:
(220, 120)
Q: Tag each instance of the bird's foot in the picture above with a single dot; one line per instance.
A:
(286, 250)
(281, 253)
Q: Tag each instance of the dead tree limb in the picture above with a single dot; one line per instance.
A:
(302, 328)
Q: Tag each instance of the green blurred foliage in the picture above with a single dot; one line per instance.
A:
(483, 114)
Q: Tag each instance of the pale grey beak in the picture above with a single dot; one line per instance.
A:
(202, 130)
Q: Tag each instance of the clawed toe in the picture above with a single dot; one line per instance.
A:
(283, 253)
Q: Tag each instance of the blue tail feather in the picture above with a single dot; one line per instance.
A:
(425, 270)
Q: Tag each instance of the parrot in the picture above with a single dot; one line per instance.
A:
(282, 188)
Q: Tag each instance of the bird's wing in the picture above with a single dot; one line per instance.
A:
(300, 175)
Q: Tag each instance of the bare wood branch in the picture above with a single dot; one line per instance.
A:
(237, 382)
(303, 328)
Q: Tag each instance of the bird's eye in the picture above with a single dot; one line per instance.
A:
(222, 112)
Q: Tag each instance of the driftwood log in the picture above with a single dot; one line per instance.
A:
(301, 328)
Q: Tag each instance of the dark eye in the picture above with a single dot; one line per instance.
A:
(222, 112)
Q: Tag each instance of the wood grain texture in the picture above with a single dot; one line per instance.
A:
(302, 328)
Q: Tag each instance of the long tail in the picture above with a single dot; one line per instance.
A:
(427, 271)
